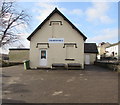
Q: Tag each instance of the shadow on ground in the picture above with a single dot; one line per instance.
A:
(7, 101)
(96, 68)
(16, 88)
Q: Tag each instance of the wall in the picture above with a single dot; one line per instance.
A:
(101, 49)
(112, 49)
(92, 57)
(56, 52)
(18, 55)
(114, 66)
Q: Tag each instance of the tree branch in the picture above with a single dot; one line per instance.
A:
(9, 16)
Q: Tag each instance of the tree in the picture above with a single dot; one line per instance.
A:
(10, 20)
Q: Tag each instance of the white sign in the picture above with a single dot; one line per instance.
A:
(56, 40)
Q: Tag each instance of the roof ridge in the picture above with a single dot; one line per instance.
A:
(90, 43)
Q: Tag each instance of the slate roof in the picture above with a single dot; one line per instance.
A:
(56, 11)
(114, 44)
(19, 49)
(90, 48)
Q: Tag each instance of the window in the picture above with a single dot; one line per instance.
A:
(113, 53)
(55, 23)
(42, 45)
(43, 54)
(55, 26)
(69, 52)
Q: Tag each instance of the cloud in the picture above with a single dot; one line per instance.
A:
(78, 12)
(44, 9)
(20, 27)
(98, 12)
(64, 0)
(105, 35)
(23, 39)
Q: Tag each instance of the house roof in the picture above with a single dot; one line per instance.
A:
(104, 44)
(90, 48)
(113, 44)
(56, 11)
(19, 49)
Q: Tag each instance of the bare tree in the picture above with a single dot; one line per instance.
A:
(10, 20)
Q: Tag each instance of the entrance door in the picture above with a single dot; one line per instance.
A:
(87, 59)
(43, 57)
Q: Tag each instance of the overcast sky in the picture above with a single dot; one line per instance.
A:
(97, 20)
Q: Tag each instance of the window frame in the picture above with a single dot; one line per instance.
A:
(56, 22)
(67, 45)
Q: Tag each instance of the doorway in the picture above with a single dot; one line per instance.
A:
(43, 57)
(87, 59)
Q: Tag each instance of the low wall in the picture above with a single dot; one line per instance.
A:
(7, 64)
(115, 66)
(18, 55)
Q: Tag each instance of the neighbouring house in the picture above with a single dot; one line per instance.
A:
(57, 40)
(113, 50)
(18, 55)
(102, 49)
(4, 57)
(91, 51)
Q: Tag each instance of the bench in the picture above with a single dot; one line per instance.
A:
(58, 66)
(71, 66)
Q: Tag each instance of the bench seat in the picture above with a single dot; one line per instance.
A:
(58, 66)
(73, 66)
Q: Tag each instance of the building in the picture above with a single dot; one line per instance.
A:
(102, 49)
(90, 50)
(18, 55)
(56, 40)
(113, 50)
(4, 57)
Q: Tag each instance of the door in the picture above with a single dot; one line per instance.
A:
(43, 57)
(87, 59)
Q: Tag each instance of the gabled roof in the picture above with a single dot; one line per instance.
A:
(90, 48)
(19, 49)
(114, 44)
(56, 11)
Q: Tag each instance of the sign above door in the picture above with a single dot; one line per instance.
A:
(56, 40)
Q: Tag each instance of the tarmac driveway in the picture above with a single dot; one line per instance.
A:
(92, 85)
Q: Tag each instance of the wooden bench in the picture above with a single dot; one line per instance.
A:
(74, 66)
(58, 66)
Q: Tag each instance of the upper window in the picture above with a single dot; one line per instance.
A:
(55, 23)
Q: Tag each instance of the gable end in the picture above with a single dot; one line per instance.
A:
(56, 11)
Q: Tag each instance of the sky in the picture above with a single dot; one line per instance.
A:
(98, 21)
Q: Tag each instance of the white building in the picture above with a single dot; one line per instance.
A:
(102, 49)
(113, 50)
